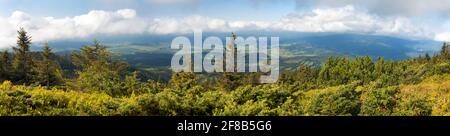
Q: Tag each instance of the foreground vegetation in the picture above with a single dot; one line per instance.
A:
(431, 97)
(101, 86)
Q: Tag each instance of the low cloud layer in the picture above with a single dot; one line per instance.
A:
(127, 21)
(387, 7)
(347, 19)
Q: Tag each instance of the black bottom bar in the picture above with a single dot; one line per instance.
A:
(223, 125)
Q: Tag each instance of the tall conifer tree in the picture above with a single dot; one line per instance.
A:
(23, 62)
(49, 72)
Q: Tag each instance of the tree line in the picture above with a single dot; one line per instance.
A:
(26, 67)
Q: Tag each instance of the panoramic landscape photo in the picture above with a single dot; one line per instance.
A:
(224, 58)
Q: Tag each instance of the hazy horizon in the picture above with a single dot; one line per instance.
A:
(49, 20)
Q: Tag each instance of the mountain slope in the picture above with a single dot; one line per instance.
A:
(314, 47)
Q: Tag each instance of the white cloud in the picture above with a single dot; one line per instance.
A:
(387, 7)
(348, 19)
(443, 37)
(343, 19)
(123, 21)
(191, 23)
(98, 22)
(127, 21)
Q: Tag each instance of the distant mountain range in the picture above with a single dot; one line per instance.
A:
(294, 46)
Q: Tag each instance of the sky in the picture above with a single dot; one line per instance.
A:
(48, 20)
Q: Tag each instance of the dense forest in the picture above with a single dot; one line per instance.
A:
(90, 83)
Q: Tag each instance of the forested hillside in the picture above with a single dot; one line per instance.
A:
(37, 84)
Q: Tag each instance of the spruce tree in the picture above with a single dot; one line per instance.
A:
(97, 71)
(380, 67)
(182, 81)
(445, 52)
(427, 57)
(49, 72)
(23, 62)
(231, 80)
(363, 69)
(5, 66)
